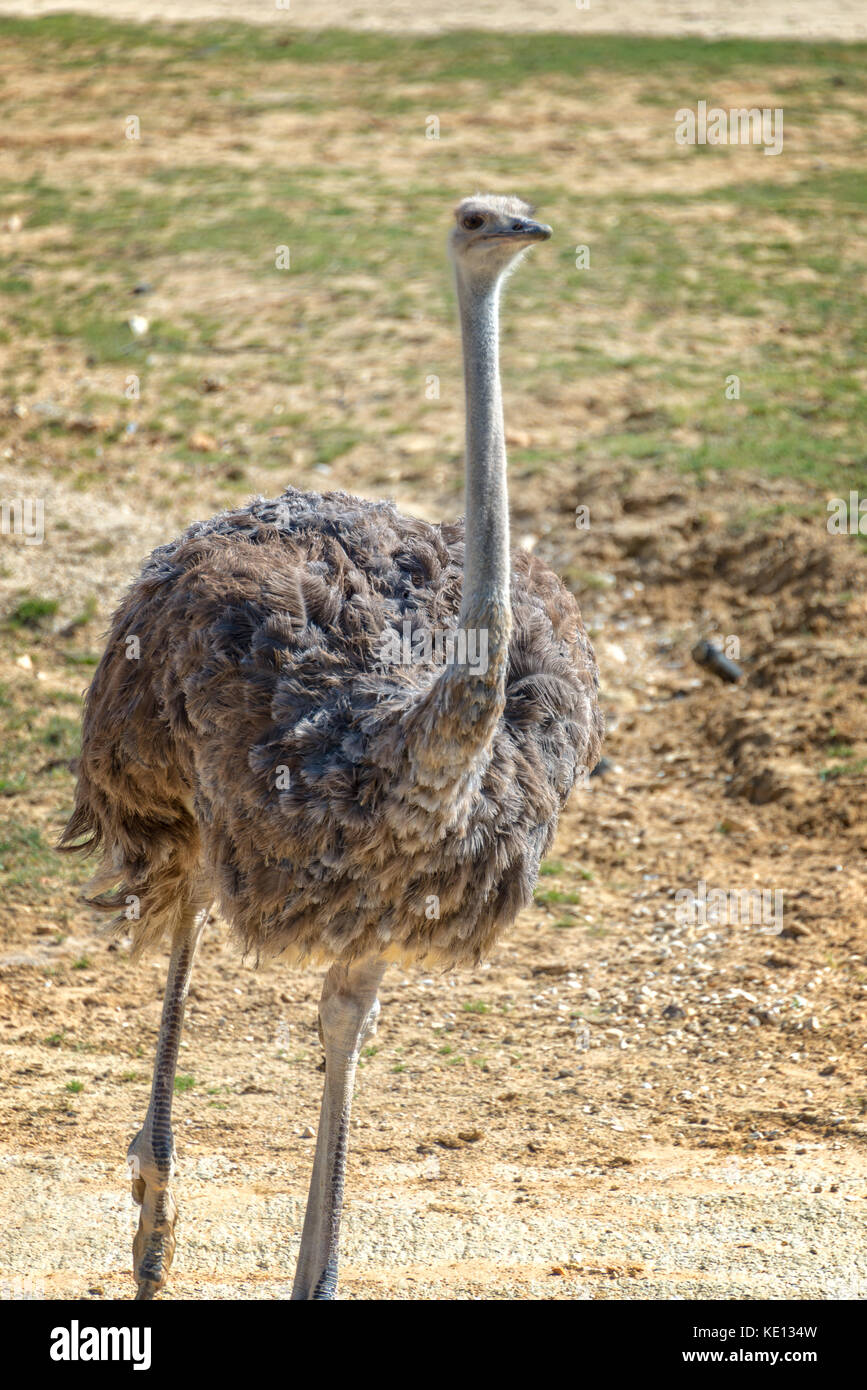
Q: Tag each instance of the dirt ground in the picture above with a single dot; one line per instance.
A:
(833, 19)
(622, 1104)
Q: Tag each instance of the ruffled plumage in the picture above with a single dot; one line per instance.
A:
(245, 737)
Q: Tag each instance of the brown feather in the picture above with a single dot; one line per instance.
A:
(262, 747)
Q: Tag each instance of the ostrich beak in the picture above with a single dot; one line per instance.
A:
(536, 231)
(523, 230)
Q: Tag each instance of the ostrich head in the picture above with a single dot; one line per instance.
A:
(490, 235)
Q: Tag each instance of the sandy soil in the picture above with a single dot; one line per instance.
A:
(619, 1105)
(833, 19)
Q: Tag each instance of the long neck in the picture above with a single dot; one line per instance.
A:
(448, 733)
(485, 598)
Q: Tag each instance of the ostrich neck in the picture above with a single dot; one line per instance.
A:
(485, 598)
(448, 733)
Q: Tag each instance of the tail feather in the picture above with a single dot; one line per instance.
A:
(150, 874)
(82, 822)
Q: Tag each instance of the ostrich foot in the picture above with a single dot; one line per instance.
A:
(154, 1244)
(151, 1155)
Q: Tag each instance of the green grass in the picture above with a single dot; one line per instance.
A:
(847, 769)
(24, 855)
(62, 734)
(690, 280)
(187, 50)
(32, 612)
(657, 251)
(551, 896)
(37, 747)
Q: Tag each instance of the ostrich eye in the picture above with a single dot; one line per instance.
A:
(472, 221)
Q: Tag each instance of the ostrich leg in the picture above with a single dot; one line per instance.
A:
(348, 1012)
(151, 1155)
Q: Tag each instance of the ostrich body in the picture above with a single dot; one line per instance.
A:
(250, 738)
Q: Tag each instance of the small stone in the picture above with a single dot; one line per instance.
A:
(202, 443)
(307, 1133)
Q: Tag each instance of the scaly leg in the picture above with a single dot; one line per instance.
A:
(348, 1012)
(151, 1155)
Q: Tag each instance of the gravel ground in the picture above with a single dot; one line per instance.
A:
(774, 1235)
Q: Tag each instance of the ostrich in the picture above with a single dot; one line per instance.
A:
(250, 739)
